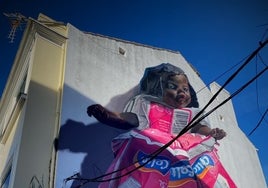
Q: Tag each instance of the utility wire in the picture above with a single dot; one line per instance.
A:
(260, 57)
(257, 93)
(218, 77)
(258, 122)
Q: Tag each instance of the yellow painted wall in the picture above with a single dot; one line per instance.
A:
(41, 116)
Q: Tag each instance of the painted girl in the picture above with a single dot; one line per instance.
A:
(148, 155)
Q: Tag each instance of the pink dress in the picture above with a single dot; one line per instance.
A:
(189, 162)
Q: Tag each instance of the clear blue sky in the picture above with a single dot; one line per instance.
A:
(212, 35)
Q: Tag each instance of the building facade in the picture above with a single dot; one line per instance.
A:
(46, 135)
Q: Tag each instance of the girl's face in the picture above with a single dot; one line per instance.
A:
(177, 92)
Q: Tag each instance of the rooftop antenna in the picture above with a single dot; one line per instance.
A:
(16, 20)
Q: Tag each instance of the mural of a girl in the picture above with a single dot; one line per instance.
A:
(165, 104)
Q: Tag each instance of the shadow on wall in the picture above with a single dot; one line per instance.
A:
(92, 140)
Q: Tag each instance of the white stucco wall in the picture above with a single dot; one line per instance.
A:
(96, 72)
(238, 154)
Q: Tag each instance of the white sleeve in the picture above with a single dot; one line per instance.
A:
(204, 121)
(139, 106)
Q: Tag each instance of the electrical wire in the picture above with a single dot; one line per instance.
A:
(257, 88)
(260, 57)
(222, 74)
(263, 115)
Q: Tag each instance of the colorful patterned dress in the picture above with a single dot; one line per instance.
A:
(190, 161)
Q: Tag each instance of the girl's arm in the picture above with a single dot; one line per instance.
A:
(217, 133)
(126, 120)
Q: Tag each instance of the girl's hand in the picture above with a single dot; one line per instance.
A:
(217, 133)
(98, 111)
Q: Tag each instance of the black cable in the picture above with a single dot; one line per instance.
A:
(218, 77)
(260, 57)
(232, 67)
(257, 90)
(257, 93)
(263, 115)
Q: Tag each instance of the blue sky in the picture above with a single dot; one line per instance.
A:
(213, 36)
